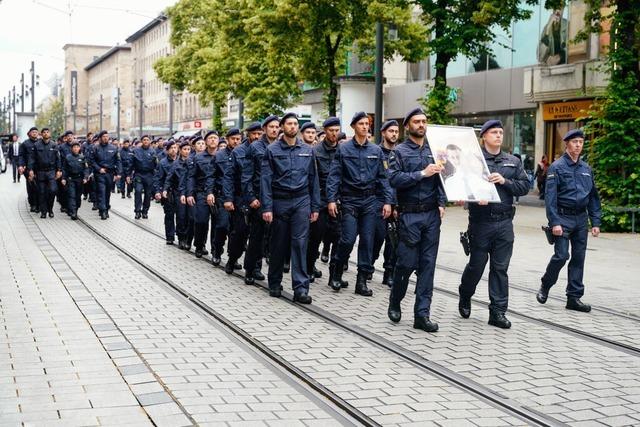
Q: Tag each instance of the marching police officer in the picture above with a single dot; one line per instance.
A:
(231, 219)
(65, 150)
(168, 201)
(290, 199)
(75, 173)
(571, 198)
(421, 203)
(308, 133)
(357, 173)
(26, 148)
(491, 228)
(46, 167)
(326, 228)
(107, 167)
(251, 189)
(198, 190)
(184, 223)
(390, 130)
(125, 156)
(141, 170)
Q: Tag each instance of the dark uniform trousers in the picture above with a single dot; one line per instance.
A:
(103, 183)
(381, 237)
(238, 234)
(47, 189)
(575, 232)
(170, 210)
(290, 226)
(419, 236)
(326, 229)
(221, 222)
(201, 217)
(184, 219)
(255, 247)
(494, 240)
(358, 220)
(143, 182)
(74, 194)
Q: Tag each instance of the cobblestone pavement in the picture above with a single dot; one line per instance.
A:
(128, 349)
(555, 373)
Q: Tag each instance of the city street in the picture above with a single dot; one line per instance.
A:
(102, 323)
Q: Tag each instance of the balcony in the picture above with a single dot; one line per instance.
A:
(577, 80)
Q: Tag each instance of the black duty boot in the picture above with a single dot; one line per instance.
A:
(369, 276)
(302, 298)
(335, 277)
(577, 305)
(181, 244)
(248, 278)
(394, 312)
(361, 285)
(215, 258)
(103, 215)
(169, 242)
(275, 292)
(229, 267)
(198, 252)
(425, 324)
(138, 215)
(497, 318)
(257, 275)
(543, 294)
(387, 276)
(74, 216)
(287, 267)
(316, 273)
(123, 196)
(51, 214)
(145, 216)
(237, 266)
(464, 305)
(43, 215)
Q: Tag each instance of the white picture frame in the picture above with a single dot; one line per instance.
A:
(465, 177)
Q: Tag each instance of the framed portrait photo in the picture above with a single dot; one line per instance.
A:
(465, 175)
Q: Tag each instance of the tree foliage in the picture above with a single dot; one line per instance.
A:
(51, 116)
(462, 27)
(614, 151)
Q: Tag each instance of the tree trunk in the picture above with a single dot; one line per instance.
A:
(332, 95)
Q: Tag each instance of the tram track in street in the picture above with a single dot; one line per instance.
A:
(496, 399)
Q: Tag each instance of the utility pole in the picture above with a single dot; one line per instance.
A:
(100, 109)
(22, 93)
(86, 115)
(170, 110)
(33, 87)
(378, 83)
(118, 113)
(14, 109)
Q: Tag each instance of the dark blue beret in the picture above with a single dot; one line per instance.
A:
(414, 112)
(211, 132)
(196, 139)
(331, 121)
(358, 116)
(32, 129)
(75, 142)
(388, 124)
(67, 133)
(308, 125)
(168, 144)
(288, 116)
(145, 136)
(254, 127)
(490, 124)
(574, 133)
(232, 132)
(270, 119)
(102, 132)
(43, 129)
(184, 143)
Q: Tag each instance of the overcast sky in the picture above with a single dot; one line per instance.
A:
(36, 30)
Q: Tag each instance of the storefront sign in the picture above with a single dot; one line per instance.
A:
(566, 110)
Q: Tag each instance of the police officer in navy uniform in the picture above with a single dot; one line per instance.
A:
(198, 191)
(45, 166)
(356, 175)
(65, 150)
(25, 151)
(168, 201)
(571, 199)
(107, 167)
(125, 156)
(290, 200)
(390, 130)
(251, 189)
(184, 226)
(75, 174)
(421, 204)
(141, 170)
(230, 220)
(491, 228)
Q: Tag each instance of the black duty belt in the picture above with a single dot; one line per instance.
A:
(570, 211)
(417, 208)
(287, 195)
(75, 176)
(359, 193)
(492, 216)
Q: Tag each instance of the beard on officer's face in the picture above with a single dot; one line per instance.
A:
(417, 132)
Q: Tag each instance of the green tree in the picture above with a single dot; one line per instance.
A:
(462, 27)
(319, 34)
(219, 50)
(614, 152)
(51, 116)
